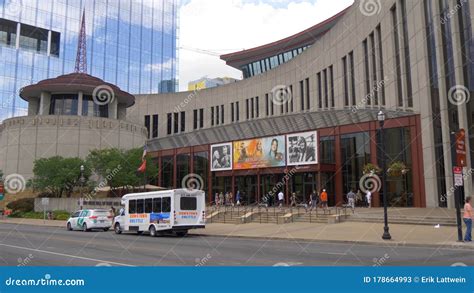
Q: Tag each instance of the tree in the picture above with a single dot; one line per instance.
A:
(57, 175)
(118, 168)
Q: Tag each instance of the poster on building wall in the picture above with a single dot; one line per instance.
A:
(221, 155)
(302, 148)
(259, 153)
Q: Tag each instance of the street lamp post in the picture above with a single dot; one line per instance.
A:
(381, 118)
(82, 179)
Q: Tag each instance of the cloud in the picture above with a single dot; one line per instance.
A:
(226, 26)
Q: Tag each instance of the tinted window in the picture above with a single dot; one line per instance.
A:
(148, 205)
(140, 206)
(188, 203)
(157, 205)
(76, 214)
(166, 204)
(132, 206)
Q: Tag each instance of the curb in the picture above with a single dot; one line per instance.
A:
(390, 243)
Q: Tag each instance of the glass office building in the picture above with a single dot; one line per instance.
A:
(130, 43)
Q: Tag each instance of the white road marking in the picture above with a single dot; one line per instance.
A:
(67, 255)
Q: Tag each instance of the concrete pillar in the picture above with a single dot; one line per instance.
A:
(48, 52)
(45, 103)
(80, 97)
(462, 107)
(18, 32)
(113, 109)
(443, 108)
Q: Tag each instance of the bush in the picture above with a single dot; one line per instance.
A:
(57, 215)
(22, 205)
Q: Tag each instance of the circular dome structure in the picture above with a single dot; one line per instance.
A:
(76, 82)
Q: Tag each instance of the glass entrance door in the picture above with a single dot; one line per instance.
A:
(247, 185)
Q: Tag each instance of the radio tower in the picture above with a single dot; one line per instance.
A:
(81, 58)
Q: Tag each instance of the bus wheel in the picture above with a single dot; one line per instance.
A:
(117, 229)
(181, 233)
(152, 231)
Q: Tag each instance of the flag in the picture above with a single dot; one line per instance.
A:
(142, 167)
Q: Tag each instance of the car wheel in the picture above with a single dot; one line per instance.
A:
(152, 231)
(69, 227)
(106, 229)
(117, 229)
(181, 233)
(84, 227)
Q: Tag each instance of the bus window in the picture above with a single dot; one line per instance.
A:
(132, 206)
(188, 203)
(140, 206)
(157, 205)
(166, 204)
(148, 205)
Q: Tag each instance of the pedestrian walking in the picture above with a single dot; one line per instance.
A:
(112, 211)
(231, 198)
(368, 197)
(293, 200)
(468, 216)
(221, 198)
(351, 199)
(324, 199)
(237, 197)
(314, 200)
(216, 199)
(359, 198)
(281, 197)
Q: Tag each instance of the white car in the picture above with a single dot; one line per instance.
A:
(87, 220)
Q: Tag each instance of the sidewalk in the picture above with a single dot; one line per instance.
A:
(346, 232)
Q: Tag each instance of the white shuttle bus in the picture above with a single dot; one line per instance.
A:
(160, 212)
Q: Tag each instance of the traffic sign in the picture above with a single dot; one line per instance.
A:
(458, 179)
(461, 148)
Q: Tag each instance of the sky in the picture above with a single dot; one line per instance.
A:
(225, 26)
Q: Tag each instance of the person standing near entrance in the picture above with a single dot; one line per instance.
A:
(324, 199)
(293, 200)
(281, 197)
(314, 200)
(368, 197)
(468, 216)
(351, 199)
(237, 197)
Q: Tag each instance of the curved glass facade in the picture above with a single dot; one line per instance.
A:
(129, 43)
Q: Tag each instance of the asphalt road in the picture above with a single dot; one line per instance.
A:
(47, 246)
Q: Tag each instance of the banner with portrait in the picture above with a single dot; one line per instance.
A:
(302, 148)
(259, 153)
(221, 157)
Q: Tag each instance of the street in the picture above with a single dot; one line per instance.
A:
(23, 245)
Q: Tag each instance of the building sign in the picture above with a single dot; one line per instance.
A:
(259, 153)
(302, 148)
(460, 148)
(458, 179)
(221, 155)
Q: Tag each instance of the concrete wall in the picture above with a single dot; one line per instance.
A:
(25, 139)
(72, 204)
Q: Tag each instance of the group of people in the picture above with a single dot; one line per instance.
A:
(359, 199)
(227, 199)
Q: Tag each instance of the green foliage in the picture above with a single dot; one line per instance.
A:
(58, 175)
(22, 205)
(397, 168)
(370, 168)
(57, 215)
(119, 168)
